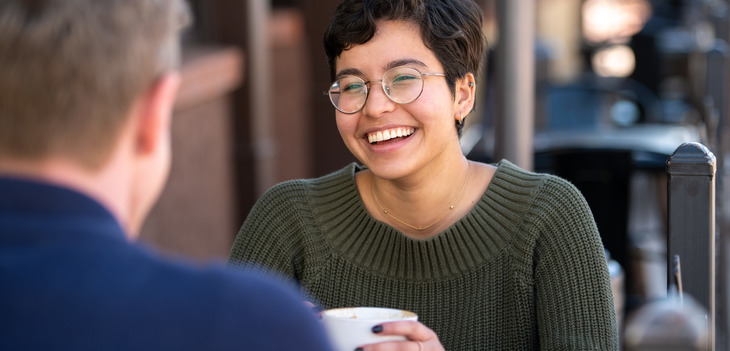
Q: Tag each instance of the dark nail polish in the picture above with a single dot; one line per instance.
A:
(377, 329)
(359, 349)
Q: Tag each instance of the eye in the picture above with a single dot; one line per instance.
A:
(404, 78)
(353, 88)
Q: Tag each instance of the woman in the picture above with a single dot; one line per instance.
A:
(489, 256)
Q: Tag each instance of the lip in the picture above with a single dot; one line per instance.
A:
(389, 134)
(384, 128)
(391, 145)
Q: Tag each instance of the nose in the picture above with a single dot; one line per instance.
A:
(377, 103)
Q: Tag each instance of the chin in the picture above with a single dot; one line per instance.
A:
(390, 170)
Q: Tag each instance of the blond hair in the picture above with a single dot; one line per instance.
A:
(70, 70)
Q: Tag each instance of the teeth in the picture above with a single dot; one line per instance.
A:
(389, 134)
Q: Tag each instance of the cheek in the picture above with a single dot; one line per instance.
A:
(435, 108)
(346, 125)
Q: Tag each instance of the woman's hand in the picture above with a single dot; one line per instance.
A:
(420, 337)
(314, 308)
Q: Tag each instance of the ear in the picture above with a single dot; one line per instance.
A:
(155, 113)
(464, 90)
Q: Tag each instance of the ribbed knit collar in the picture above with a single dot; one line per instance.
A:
(494, 222)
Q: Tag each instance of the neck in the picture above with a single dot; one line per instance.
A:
(423, 204)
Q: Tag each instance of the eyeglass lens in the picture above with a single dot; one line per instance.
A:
(401, 84)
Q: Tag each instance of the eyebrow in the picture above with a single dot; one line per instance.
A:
(389, 66)
(404, 62)
(349, 72)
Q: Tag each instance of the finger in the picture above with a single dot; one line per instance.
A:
(394, 346)
(410, 329)
(314, 308)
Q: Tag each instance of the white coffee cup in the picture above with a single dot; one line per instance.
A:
(351, 327)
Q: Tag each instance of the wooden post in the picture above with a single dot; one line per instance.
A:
(691, 224)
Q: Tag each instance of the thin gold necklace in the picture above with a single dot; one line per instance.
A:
(451, 208)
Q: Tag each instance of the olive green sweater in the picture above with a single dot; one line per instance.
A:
(524, 270)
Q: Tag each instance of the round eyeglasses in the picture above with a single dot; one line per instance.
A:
(400, 84)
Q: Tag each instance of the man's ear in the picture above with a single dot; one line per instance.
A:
(465, 93)
(155, 111)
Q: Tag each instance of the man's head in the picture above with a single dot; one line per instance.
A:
(72, 69)
(86, 92)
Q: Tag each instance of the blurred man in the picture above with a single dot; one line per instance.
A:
(86, 92)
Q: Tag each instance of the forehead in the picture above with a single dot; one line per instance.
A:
(394, 41)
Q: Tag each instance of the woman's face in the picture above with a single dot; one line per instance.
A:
(427, 124)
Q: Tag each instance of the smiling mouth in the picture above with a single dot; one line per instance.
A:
(389, 134)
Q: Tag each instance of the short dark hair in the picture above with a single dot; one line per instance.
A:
(452, 29)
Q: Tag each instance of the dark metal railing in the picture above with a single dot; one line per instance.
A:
(691, 226)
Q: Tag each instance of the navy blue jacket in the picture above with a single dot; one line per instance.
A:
(70, 280)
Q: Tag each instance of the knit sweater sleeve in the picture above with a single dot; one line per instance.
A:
(574, 300)
(269, 237)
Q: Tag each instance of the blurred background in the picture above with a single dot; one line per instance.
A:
(600, 92)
